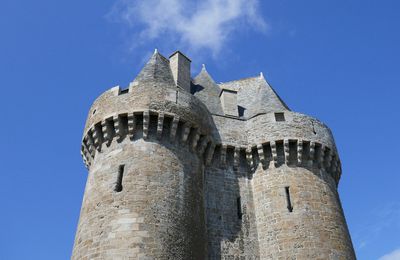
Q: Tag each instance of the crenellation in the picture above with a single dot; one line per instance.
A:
(311, 154)
(222, 158)
(160, 125)
(286, 150)
(300, 152)
(107, 129)
(97, 136)
(292, 151)
(236, 157)
(118, 127)
(114, 126)
(249, 157)
(319, 155)
(86, 156)
(131, 125)
(328, 158)
(274, 153)
(195, 139)
(88, 140)
(146, 123)
(84, 160)
(260, 150)
(174, 127)
(186, 130)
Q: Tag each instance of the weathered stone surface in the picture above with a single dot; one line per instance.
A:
(175, 175)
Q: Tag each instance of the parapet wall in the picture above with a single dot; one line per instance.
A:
(273, 154)
(292, 125)
(277, 138)
(166, 126)
(271, 149)
(171, 112)
(143, 97)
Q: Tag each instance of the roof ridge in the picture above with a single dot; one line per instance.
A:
(242, 79)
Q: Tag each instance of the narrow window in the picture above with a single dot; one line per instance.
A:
(279, 117)
(289, 203)
(313, 128)
(118, 183)
(124, 91)
(239, 208)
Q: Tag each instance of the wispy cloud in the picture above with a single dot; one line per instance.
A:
(394, 255)
(195, 25)
(381, 219)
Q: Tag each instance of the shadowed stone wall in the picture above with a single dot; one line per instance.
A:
(231, 226)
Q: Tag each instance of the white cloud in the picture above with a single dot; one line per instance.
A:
(394, 255)
(195, 24)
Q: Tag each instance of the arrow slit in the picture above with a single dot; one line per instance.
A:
(288, 201)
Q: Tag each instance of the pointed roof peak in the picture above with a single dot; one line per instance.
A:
(204, 75)
(274, 99)
(205, 88)
(156, 71)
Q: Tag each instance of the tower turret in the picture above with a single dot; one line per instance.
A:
(144, 151)
(286, 169)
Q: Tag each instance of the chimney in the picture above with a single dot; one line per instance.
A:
(180, 67)
(229, 102)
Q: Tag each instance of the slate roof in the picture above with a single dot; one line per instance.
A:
(156, 72)
(205, 89)
(255, 96)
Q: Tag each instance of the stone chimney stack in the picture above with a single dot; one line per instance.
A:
(229, 102)
(180, 67)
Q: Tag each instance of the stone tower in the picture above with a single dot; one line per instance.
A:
(183, 168)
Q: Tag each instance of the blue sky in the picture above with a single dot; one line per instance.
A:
(335, 60)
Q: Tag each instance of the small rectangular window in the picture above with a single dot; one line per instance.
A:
(239, 208)
(118, 183)
(279, 117)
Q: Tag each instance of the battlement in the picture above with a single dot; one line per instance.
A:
(291, 152)
(156, 125)
(146, 124)
(148, 97)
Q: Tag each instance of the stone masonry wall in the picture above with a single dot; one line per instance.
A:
(315, 229)
(231, 226)
(158, 214)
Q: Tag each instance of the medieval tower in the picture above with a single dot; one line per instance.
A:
(183, 168)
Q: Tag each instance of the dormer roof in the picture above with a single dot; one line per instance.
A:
(255, 96)
(205, 89)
